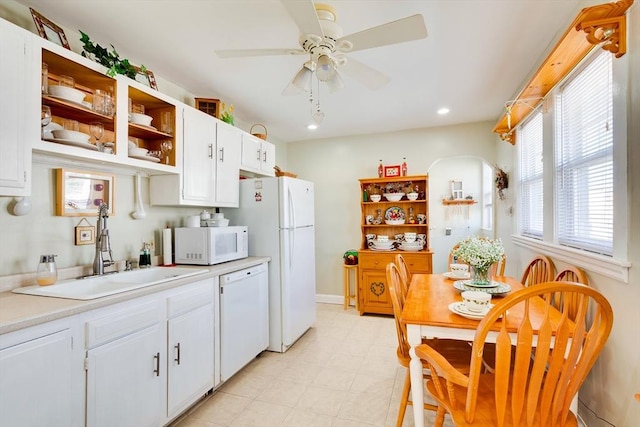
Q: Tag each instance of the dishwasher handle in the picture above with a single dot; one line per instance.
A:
(243, 274)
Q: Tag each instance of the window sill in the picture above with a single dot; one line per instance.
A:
(615, 269)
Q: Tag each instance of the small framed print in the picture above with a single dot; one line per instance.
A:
(80, 193)
(146, 77)
(85, 235)
(391, 171)
(48, 30)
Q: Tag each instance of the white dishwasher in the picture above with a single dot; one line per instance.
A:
(244, 318)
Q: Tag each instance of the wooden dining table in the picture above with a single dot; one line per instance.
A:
(426, 313)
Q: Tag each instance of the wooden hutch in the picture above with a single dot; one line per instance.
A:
(373, 292)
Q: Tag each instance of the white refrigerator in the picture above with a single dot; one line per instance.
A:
(280, 215)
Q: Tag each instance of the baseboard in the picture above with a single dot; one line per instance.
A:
(332, 299)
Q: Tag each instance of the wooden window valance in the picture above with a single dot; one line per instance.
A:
(602, 24)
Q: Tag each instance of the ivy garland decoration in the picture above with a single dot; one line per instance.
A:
(110, 59)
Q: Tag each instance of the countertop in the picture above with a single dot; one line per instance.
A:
(19, 311)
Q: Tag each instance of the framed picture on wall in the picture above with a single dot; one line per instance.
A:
(48, 30)
(391, 171)
(146, 77)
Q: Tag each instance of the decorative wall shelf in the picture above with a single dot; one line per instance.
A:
(603, 24)
(458, 202)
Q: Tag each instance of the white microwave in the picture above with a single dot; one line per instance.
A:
(210, 245)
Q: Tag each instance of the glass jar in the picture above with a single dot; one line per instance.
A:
(47, 273)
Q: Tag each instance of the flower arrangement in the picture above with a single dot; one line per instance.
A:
(226, 113)
(480, 254)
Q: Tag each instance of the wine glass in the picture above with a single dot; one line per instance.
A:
(45, 117)
(166, 147)
(97, 131)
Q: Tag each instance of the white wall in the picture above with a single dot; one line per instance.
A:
(336, 165)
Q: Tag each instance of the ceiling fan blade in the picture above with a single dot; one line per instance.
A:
(371, 78)
(239, 53)
(304, 15)
(402, 30)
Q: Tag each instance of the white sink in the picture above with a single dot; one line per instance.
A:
(100, 286)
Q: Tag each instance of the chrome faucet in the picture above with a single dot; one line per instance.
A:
(102, 242)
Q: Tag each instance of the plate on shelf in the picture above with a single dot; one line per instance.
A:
(144, 126)
(501, 289)
(449, 275)
(79, 104)
(148, 158)
(394, 213)
(384, 249)
(74, 143)
(462, 310)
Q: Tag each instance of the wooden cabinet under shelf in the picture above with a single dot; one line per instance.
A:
(373, 292)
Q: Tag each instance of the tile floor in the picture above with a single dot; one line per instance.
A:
(342, 373)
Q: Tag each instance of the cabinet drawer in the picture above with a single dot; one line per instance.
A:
(375, 261)
(121, 323)
(195, 296)
(418, 263)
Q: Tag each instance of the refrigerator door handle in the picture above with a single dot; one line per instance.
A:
(292, 243)
(292, 212)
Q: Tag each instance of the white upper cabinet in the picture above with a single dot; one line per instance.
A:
(228, 149)
(19, 124)
(258, 156)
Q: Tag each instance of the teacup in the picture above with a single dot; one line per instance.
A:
(476, 301)
(410, 237)
(422, 218)
(422, 237)
(459, 270)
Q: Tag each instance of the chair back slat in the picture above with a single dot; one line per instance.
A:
(405, 274)
(397, 300)
(553, 353)
(539, 270)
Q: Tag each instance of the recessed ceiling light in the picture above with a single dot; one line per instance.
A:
(443, 111)
(312, 126)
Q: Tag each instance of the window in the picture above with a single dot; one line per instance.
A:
(584, 159)
(567, 206)
(530, 183)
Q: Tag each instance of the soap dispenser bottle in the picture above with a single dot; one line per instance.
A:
(47, 273)
(145, 256)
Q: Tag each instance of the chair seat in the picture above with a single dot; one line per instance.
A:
(486, 406)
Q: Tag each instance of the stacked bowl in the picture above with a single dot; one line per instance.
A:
(382, 243)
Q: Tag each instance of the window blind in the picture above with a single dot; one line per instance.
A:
(584, 159)
(530, 192)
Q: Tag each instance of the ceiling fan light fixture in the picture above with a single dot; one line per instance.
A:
(302, 80)
(325, 69)
(335, 83)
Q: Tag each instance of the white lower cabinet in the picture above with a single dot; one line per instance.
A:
(125, 377)
(149, 360)
(190, 357)
(41, 378)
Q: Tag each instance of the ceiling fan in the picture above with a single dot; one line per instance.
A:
(321, 38)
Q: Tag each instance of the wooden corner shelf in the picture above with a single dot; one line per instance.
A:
(458, 202)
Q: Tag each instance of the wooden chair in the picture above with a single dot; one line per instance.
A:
(539, 270)
(405, 274)
(457, 352)
(537, 385)
(570, 274)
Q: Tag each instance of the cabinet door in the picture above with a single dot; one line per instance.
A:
(268, 158)
(229, 142)
(19, 85)
(251, 153)
(190, 358)
(36, 382)
(126, 380)
(199, 167)
(373, 293)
